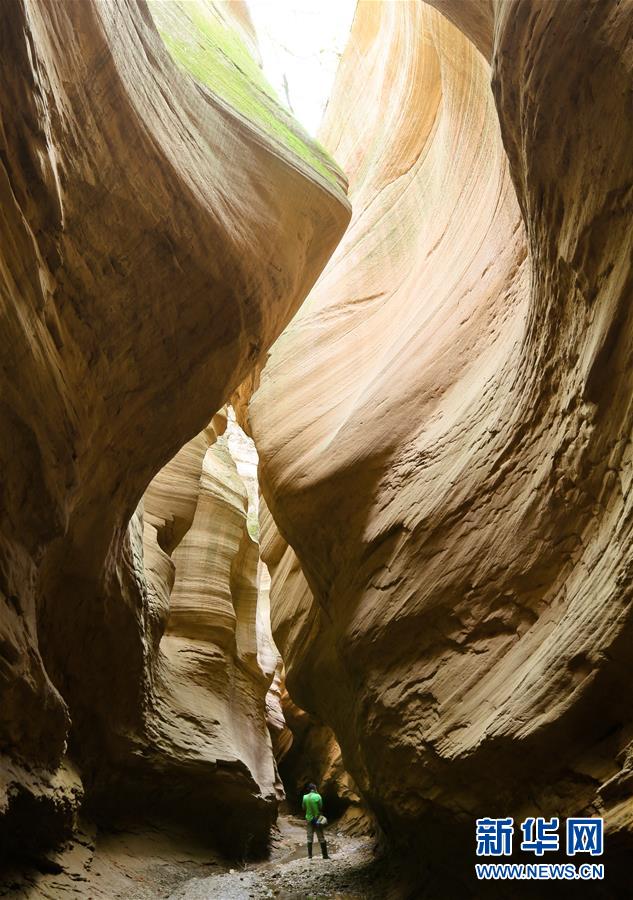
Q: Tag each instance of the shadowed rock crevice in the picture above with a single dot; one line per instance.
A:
(315, 756)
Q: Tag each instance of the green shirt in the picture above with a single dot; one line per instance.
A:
(312, 804)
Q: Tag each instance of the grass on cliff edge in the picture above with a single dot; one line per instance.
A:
(211, 50)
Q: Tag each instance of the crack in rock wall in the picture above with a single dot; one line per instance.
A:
(315, 756)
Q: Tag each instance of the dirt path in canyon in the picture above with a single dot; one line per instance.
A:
(351, 872)
(149, 865)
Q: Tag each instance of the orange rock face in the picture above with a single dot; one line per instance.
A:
(444, 428)
(155, 239)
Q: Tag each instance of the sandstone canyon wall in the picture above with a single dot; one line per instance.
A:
(314, 755)
(444, 428)
(215, 659)
(158, 229)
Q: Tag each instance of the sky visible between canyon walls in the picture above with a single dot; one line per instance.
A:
(301, 41)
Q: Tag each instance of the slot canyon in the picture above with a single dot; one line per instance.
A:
(315, 455)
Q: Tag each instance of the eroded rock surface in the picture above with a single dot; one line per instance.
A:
(156, 236)
(315, 756)
(444, 429)
(210, 692)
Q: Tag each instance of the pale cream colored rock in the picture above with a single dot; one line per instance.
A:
(211, 692)
(269, 660)
(168, 509)
(271, 663)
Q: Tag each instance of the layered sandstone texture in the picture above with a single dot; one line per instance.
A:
(444, 428)
(161, 219)
(215, 659)
(306, 748)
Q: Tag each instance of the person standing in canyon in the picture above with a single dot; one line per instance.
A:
(312, 804)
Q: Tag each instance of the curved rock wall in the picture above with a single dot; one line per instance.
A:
(315, 756)
(156, 236)
(444, 429)
(210, 694)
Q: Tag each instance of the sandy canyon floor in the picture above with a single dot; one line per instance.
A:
(139, 865)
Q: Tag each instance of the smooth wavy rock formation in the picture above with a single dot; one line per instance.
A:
(243, 451)
(444, 429)
(271, 661)
(158, 229)
(210, 707)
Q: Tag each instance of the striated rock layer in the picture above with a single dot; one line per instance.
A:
(210, 698)
(157, 233)
(444, 429)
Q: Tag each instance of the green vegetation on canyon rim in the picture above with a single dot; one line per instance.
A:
(211, 50)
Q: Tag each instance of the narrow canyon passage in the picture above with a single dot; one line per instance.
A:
(315, 455)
